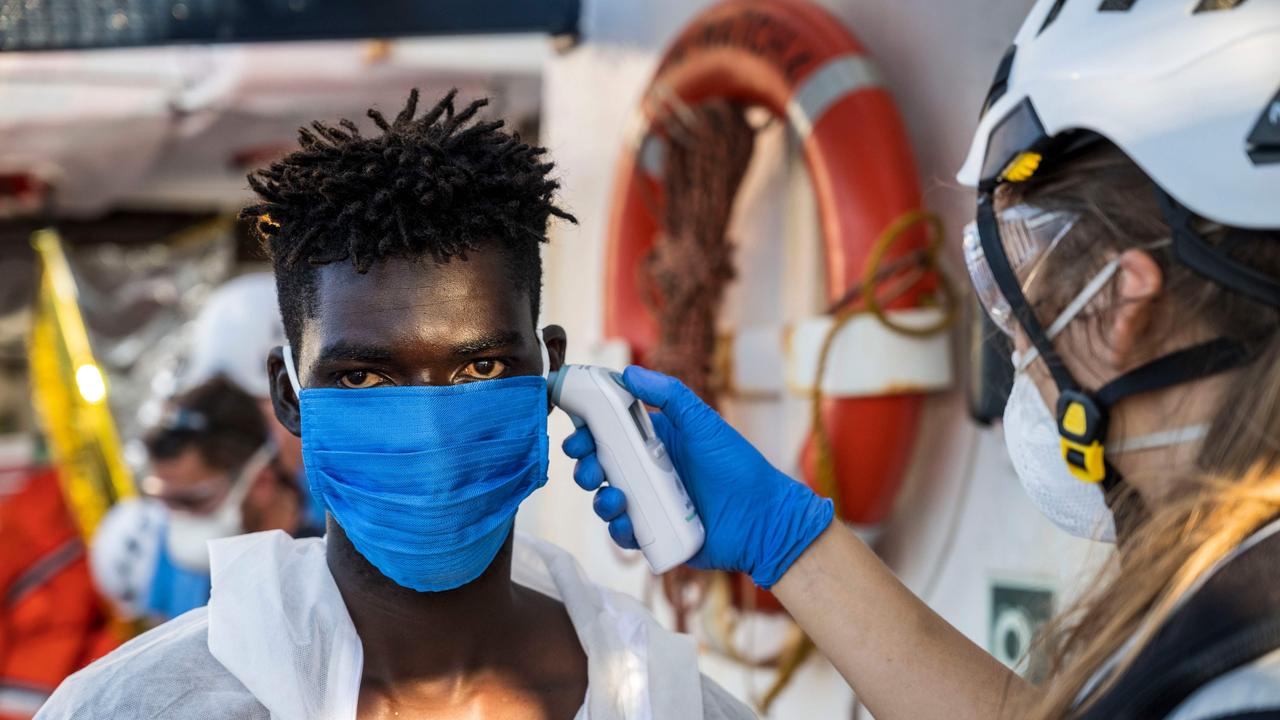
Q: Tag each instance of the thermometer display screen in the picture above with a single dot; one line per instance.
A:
(641, 419)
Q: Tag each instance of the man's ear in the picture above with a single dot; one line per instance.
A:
(1140, 281)
(557, 342)
(284, 401)
(554, 337)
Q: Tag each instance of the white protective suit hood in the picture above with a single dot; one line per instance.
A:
(276, 642)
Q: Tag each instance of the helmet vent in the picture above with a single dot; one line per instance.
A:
(1212, 5)
(1053, 15)
(1116, 5)
(1264, 141)
(1000, 83)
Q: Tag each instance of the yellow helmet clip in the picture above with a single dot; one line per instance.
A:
(1022, 167)
(1080, 430)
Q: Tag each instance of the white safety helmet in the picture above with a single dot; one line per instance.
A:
(233, 334)
(1188, 89)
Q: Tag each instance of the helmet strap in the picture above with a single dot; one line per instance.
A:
(1211, 261)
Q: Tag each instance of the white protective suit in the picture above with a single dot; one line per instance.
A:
(276, 642)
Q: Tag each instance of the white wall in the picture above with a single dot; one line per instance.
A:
(962, 521)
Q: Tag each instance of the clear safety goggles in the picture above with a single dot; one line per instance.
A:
(1028, 235)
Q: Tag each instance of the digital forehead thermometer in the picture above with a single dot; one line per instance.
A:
(667, 526)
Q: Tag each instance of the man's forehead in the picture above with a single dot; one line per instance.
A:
(404, 300)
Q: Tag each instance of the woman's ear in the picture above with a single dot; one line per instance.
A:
(283, 399)
(1140, 281)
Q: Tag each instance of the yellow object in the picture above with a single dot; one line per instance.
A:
(1089, 464)
(93, 388)
(1074, 421)
(1022, 167)
(1094, 468)
(725, 620)
(69, 392)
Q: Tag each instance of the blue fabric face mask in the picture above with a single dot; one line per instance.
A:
(426, 481)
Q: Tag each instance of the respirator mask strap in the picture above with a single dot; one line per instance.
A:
(1164, 438)
(1073, 309)
(542, 349)
(291, 370)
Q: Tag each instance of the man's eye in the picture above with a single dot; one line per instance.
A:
(360, 380)
(485, 369)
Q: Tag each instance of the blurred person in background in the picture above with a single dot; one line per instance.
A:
(213, 474)
(232, 335)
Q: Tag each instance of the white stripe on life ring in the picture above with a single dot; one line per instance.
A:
(826, 86)
(21, 701)
(867, 359)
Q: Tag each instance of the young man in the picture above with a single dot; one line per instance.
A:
(409, 277)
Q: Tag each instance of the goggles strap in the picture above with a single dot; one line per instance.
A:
(1007, 281)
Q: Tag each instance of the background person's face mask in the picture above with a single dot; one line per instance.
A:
(426, 480)
(187, 534)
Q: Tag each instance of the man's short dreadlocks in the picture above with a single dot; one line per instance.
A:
(430, 187)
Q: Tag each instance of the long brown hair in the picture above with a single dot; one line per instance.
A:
(1234, 488)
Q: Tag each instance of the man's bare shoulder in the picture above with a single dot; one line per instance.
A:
(164, 673)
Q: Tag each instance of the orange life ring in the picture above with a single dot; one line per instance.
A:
(803, 65)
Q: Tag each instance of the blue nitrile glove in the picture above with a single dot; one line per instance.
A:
(757, 519)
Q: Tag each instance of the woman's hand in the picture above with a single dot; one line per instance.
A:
(757, 519)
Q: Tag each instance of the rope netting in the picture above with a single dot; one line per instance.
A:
(692, 259)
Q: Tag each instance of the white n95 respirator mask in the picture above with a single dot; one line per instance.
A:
(1031, 437)
(1034, 443)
